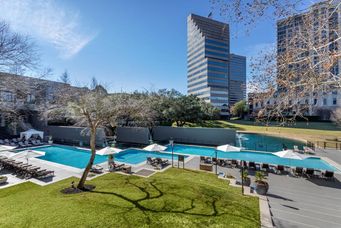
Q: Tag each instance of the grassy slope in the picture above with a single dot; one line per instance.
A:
(314, 131)
(175, 198)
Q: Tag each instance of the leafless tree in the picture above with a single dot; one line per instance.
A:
(287, 79)
(16, 51)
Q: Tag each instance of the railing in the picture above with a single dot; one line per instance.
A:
(328, 144)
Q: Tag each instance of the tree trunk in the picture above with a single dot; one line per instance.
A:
(91, 161)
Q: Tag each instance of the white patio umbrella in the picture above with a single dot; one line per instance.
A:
(228, 148)
(28, 154)
(6, 148)
(155, 147)
(290, 154)
(108, 150)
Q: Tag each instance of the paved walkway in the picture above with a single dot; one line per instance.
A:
(299, 202)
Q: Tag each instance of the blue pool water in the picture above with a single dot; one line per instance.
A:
(79, 158)
(261, 157)
(136, 156)
(259, 142)
(67, 155)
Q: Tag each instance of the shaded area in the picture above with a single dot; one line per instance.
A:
(174, 198)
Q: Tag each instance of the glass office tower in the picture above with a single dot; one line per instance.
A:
(208, 59)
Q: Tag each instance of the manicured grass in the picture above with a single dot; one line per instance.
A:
(313, 131)
(175, 198)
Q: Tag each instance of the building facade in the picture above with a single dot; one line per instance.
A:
(237, 79)
(208, 62)
(22, 100)
(306, 42)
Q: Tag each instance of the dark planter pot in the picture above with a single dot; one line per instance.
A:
(247, 181)
(262, 188)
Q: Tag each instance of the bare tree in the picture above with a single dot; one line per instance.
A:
(287, 80)
(16, 51)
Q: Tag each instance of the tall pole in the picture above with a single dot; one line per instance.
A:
(242, 177)
(216, 162)
(171, 142)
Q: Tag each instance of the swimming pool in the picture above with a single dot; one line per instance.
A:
(260, 157)
(79, 158)
(260, 142)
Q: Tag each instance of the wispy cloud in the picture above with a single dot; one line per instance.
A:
(49, 21)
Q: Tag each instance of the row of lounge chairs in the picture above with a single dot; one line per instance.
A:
(157, 163)
(17, 142)
(24, 170)
(278, 169)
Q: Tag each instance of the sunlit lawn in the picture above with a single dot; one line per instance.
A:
(314, 131)
(175, 198)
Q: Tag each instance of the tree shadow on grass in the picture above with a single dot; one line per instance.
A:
(138, 203)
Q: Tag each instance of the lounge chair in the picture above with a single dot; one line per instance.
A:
(265, 167)
(39, 142)
(298, 171)
(234, 163)
(280, 169)
(329, 175)
(115, 167)
(252, 165)
(21, 144)
(2, 142)
(96, 169)
(150, 161)
(309, 172)
(27, 143)
(308, 150)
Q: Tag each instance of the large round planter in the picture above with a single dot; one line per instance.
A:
(3, 180)
(262, 188)
(247, 181)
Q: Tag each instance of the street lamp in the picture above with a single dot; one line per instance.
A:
(171, 142)
(242, 177)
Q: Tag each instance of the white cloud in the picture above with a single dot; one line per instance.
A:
(46, 20)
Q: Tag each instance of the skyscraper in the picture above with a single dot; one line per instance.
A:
(237, 79)
(208, 61)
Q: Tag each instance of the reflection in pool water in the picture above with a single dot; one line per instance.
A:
(261, 142)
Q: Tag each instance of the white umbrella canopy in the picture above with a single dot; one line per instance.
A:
(290, 154)
(228, 148)
(155, 147)
(108, 150)
(28, 154)
(5, 148)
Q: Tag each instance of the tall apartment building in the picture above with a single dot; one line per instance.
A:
(208, 63)
(319, 27)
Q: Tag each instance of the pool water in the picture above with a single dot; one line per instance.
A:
(79, 158)
(259, 142)
(260, 157)
(67, 155)
(136, 156)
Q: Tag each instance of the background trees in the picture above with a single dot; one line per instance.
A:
(239, 109)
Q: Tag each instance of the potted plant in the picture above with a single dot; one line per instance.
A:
(3, 179)
(262, 186)
(246, 178)
(50, 141)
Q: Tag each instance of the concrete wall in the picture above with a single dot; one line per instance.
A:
(139, 135)
(74, 135)
(202, 136)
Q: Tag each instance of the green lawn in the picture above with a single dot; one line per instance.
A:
(313, 131)
(175, 198)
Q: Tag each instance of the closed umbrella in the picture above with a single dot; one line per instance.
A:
(155, 147)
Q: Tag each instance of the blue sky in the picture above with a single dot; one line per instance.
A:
(125, 44)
